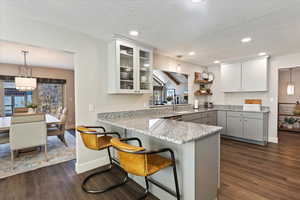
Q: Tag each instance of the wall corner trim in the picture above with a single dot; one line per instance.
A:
(273, 140)
(93, 164)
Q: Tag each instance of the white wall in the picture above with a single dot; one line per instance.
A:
(90, 58)
(269, 98)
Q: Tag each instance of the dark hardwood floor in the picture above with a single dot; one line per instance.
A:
(60, 182)
(248, 172)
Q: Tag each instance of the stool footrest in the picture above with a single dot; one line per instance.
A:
(163, 187)
(91, 191)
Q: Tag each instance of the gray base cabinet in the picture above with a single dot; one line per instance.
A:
(222, 121)
(235, 127)
(209, 118)
(245, 126)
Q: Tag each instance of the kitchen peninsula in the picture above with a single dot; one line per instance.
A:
(196, 147)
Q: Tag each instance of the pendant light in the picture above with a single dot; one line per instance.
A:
(291, 87)
(25, 82)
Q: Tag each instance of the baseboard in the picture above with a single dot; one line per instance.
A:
(93, 164)
(273, 139)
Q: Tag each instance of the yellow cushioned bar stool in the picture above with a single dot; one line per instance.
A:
(137, 161)
(95, 140)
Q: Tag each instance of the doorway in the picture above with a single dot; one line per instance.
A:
(289, 104)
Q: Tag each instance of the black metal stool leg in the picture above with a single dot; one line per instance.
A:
(146, 190)
(176, 182)
(92, 191)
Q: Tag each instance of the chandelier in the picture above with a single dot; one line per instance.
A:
(25, 82)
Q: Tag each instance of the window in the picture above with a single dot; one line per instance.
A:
(50, 96)
(14, 98)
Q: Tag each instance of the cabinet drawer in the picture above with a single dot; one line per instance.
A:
(211, 121)
(212, 114)
(204, 114)
(234, 114)
(199, 121)
(253, 115)
(189, 117)
(245, 115)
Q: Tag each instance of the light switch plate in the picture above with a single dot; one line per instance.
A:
(91, 107)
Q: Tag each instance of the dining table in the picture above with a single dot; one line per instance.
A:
(6, 121)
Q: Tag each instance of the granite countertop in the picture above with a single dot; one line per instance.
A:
(155, 123)
(166, 129)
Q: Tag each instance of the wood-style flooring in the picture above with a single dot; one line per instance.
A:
(248, 172)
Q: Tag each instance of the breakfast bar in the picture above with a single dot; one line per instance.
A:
(196, 147)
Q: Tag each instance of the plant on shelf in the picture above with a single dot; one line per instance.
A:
(32, 107)
(290, 121)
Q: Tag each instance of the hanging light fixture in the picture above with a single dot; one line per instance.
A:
(25, 82)
(291, 87)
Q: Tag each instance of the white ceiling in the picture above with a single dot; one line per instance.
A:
(213, 30)
(12, 53)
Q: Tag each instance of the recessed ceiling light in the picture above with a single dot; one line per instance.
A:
(262, 54)
(246, 39)
(134, 33)
(198, 1)
(192, 53)
(216, 61)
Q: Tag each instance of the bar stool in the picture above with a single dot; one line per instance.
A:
(137, 161)
(98, 141)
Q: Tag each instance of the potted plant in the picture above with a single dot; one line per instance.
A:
(290, 121)
(169, 100)
(32, 108)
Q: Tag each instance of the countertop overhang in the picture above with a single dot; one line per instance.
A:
(154, 122)
(156, 125)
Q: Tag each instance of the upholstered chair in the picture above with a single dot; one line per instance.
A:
(59, 129)
(139, 162)
(27, 131)
(58, 112)
(95, 140)
(4, 137)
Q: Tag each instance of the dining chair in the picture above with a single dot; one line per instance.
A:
(4, 137)
(58, 129)
(27, 131)
(137, 161)
(58, 112)
(64, 111)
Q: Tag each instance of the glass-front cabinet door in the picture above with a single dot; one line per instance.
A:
(145, 70)
(127, 66)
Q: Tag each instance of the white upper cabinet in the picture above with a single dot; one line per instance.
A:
(248, 76)
(129, 68)
(231, 77)
(255, 75)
